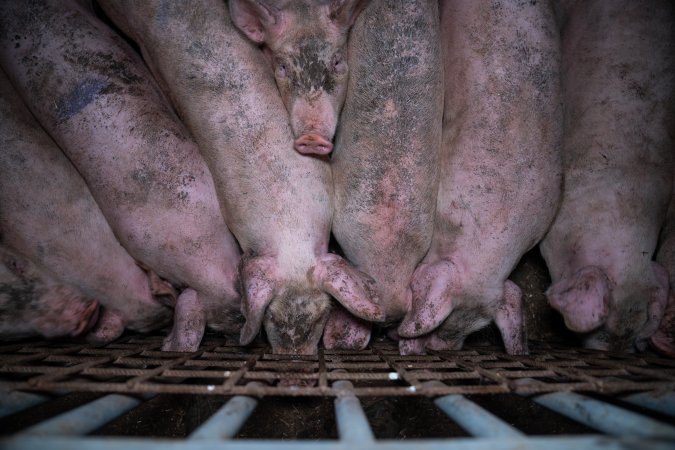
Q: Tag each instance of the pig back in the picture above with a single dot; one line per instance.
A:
(385, 164)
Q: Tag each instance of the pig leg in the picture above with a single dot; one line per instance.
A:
(189, 323)
(509, 320)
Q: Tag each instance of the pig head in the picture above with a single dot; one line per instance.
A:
(294, 314)
(305, 42)
(33, 301)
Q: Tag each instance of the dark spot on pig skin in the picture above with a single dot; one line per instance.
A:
(20, 296)
(79, 97)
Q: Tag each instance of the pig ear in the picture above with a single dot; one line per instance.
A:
(431, 304)
(344, 331)
(509, 320)
(663, 340)
(355, 290)
(254, 18)
(345, 12)
(256, 277)
(109, 327)
(582, 299)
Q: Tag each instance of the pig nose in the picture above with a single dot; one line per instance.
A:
(313, 144)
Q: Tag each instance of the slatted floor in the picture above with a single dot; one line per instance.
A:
(628, 399)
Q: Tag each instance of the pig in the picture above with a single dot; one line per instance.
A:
(501, 171)
(618, 72)
(385, 163)
(48, 215)
(619, 83)
(305, 44)
(277, 202)
(141, 164)
(33, 302)
(663, 340)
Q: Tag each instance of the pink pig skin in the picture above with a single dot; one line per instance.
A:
(385, 165)
(618, 72)
(49, 216)
(33, 302)
(500, 172)
(277, 202)
(140, 162)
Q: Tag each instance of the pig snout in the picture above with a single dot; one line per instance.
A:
(313, 144)
(314, 120)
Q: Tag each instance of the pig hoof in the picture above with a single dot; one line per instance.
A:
(313, 144)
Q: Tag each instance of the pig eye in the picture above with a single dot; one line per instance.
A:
(338, 63)
(281, 71)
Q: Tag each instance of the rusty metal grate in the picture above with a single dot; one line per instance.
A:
(134, 364)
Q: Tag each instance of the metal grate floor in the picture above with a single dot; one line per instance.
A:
(135, 364)
(621, 400)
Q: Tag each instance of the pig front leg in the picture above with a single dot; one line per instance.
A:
(189, 323)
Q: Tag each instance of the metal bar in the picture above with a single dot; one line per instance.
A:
(607, 418)
(227, 421)
(85, 418)
(473, 418)
(352, 424)
(663, 402)
(549, 443)
(12, 401)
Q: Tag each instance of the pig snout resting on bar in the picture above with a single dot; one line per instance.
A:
(305, 42)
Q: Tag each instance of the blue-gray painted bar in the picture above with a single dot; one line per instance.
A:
(538, 443)
(663, 402)
(352, 423)
(473, 418)
(227, 421)
(12, 401)
(605, 417)
(85, 418)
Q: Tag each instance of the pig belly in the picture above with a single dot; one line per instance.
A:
(618, 76)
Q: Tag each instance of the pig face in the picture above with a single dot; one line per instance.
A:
(61, 311)
(294, 313)
(305, 42)
(32, 302)
(295, 320)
